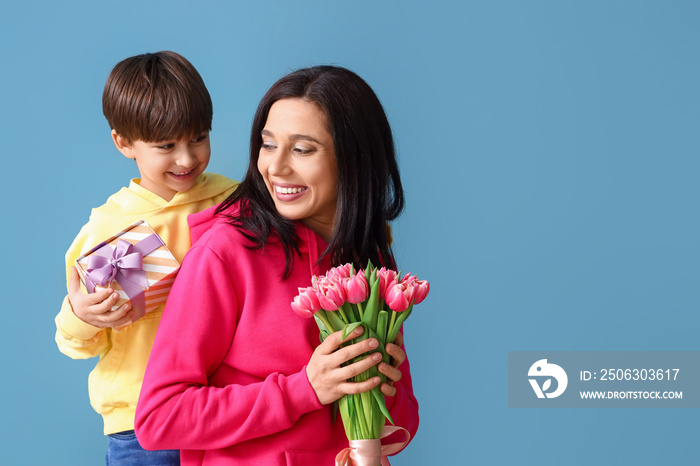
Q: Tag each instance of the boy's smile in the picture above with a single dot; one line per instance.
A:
(167, 167)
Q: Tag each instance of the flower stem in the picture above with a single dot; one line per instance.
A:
(349, 312)
(342, 313)
(359, 308)
(395, 329)
(322, 315)
(391, 326)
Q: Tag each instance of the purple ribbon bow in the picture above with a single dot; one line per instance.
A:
(123, 264)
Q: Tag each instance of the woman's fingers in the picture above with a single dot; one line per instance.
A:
(328, 372)
(335, 339)
(333, 366)
(337, 355)
(392, 373)
(398, 355)
(353, 388)
(398, 341)
(388, 390)
(350, 352)
(357, 368)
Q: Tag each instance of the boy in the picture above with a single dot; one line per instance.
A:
(160, 113)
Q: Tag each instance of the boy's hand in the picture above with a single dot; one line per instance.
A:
(95, 308)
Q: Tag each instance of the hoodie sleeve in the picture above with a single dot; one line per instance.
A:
(178, 408)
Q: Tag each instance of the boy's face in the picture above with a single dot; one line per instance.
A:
(167, 167)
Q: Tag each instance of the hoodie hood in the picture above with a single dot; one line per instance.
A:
(203, 221)
(136, 200)
(310, 244)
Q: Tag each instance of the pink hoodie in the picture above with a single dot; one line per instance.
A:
(226, 382)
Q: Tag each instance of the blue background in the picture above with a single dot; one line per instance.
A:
(549, 152)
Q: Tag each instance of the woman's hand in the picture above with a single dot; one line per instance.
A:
(96, 308)
(329, 380)
(392, 372)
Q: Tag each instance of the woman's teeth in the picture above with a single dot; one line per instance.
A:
(282, 190)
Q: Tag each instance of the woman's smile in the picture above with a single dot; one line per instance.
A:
(286, 192)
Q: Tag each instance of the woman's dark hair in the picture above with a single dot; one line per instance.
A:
(369, 186)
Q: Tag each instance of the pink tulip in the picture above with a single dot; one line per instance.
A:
(356, 288)
(399, 296)
(422, 288)
(342, 271)
(387, 277)
(306, 303)
(331, 294)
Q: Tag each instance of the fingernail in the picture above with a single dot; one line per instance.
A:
(376, 380)
(373, 343)
(376, 357)
(358, 330)
(115, 295)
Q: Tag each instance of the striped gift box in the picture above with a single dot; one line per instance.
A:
(160, 266)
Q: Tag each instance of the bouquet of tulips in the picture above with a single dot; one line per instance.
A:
(379, 300)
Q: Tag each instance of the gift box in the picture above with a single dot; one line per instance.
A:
(135, 263)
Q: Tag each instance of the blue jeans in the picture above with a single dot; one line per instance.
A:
(124, 450)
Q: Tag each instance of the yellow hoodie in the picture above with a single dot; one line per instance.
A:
(115, 382)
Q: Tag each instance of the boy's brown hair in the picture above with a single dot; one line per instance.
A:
(156, 97)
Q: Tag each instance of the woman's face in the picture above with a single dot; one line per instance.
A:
(297, 162)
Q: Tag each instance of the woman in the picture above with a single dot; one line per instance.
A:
(235, 376)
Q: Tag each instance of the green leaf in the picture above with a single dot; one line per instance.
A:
(402, 316)
(382, 322)
(370, 274)
(335, 321)
(319, 322)
(372, 309)
(324, 332)
(366, 400)
(344, 404)
(374, 371)
(379, 398)
(349, 328)
(335, 409)
(323, 317)
(349, 310)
